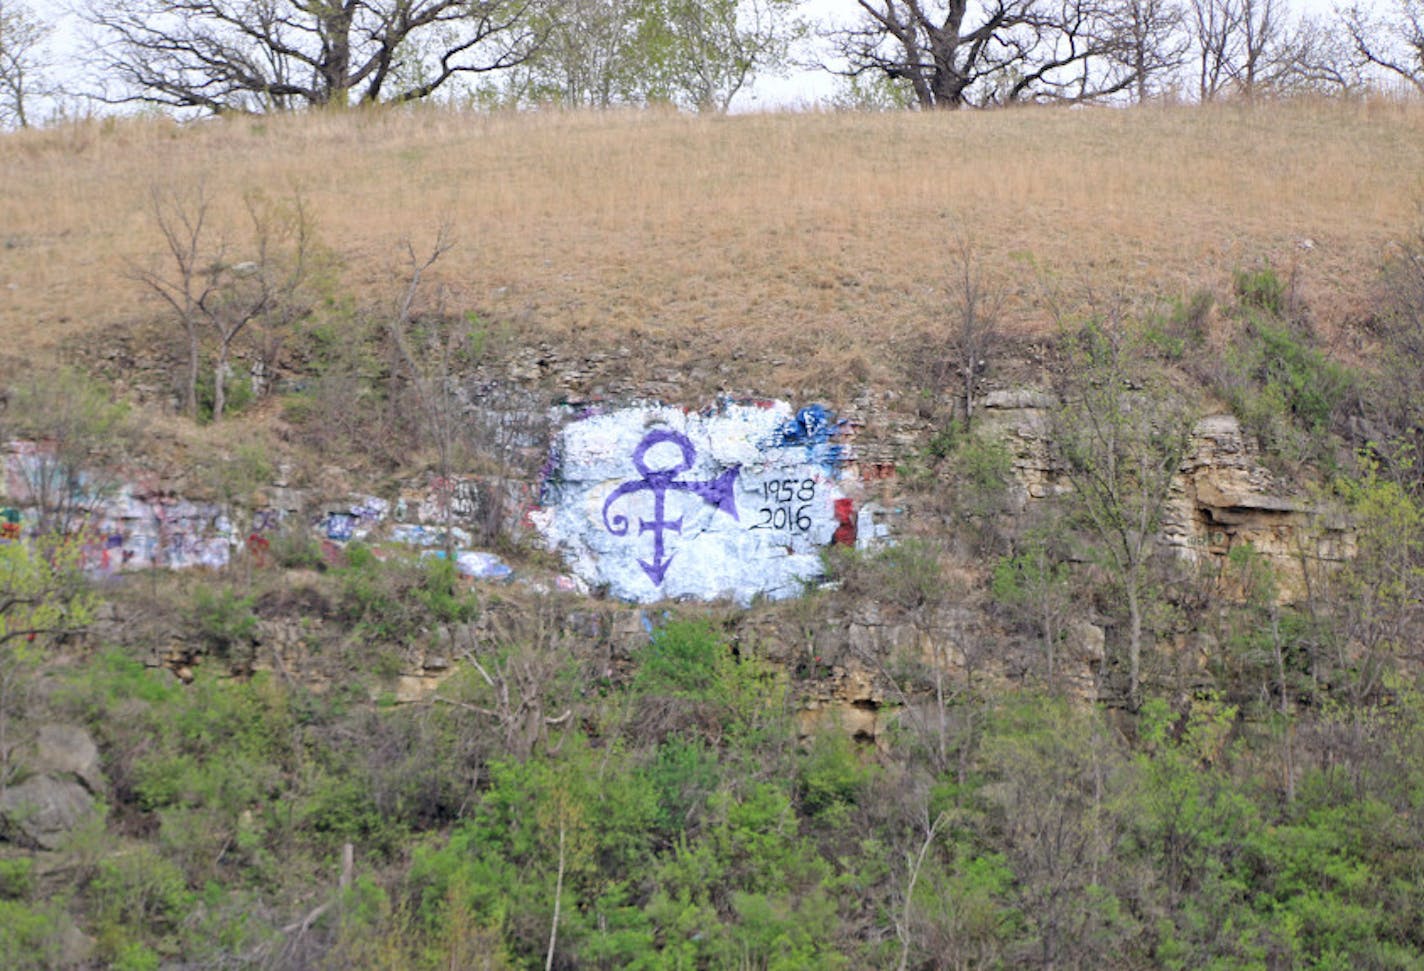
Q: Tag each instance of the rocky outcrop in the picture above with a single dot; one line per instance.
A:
(1223, 497)
(60, 782)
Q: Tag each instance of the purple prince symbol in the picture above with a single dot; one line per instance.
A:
(716, 492)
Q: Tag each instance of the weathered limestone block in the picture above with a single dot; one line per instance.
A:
(68, 750)
(1225, 497)
(41, 811)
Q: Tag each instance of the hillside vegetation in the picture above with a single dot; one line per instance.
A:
(801, 239)
(1027, 733)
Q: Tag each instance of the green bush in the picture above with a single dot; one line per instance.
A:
(137, 894)
(1308, 385)
(983, 468)
(686, 659)
(225, 623)
(1285, 392)
(31, 935)
(1260, 289)
(907, 574)
(395, 600)
(17, 880)
(237, 395)
(831, 775)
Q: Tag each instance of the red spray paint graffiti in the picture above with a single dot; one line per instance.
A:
(845, 516)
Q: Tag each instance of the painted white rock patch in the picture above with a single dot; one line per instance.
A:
(655, 502)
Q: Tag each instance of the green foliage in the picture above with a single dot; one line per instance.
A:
(1285, 391)
(1299, 377)
(907, 573)
(31, 935)
(1260, 289)
(42, 594)
(651, 52)
(1121, 435)
(1181, 328)
(983, 468)
(1034, 587)
(688, 673)
(43, 598)
(225, 623)
(17, 878)
(683, 773)
(1380, 592)
(393, 601)
(137, 894)
(685, 658)
(238, 395)
(81, 429)
(831, 776)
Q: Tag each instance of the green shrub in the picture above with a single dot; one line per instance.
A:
(395, 600)
(686, 658)
(831, 774)
(907, 574)
(226, 624)
(17, 880)
(1260, 289)
(238, 395)
(1285, 392)
(983, 468)
(138, 894)
(1309, 386)
(31, 935)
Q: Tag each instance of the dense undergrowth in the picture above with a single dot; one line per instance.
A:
(673, 822)
(1235, 782)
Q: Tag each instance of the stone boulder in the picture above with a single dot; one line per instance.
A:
(41, 811)
(60, 782)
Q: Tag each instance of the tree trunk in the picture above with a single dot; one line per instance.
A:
(1048, 642)
(190, 392)
(558, 894)
(220, 383)
(1134, 643)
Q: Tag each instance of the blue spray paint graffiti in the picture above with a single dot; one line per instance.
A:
(812, 428)
(339, 526)
(718, 493)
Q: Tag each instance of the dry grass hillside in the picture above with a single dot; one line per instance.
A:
(799, 241)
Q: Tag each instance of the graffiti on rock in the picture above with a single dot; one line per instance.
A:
(735, 502)
(717, 493)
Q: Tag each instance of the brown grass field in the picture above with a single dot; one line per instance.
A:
(800, 242)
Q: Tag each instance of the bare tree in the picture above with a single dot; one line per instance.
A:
(974, 310)
(943, 51)
(428, 350)
(1255, 48)
(1122, 441)
(21, 67)
(210, 292)
(1149, 41)
(1215, 25)
(1263, 57)
(181, 220)
(1392, 42)
(262, 55)
(953, 53)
